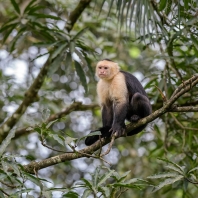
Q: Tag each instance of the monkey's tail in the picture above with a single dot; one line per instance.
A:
(136, 131)
(92, 139)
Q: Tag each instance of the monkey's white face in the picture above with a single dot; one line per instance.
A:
(103, 71)
(106, 69)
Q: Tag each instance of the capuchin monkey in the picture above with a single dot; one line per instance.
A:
(121, 96)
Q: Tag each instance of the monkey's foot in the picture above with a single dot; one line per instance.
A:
(134, 118)
(118, 131)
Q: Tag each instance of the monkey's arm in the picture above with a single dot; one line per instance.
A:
(119, 95)
(107, 114)
(120, 111)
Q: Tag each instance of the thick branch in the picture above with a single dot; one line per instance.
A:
(75, 14)
(31, 94)
(185, 87)
(30, 97)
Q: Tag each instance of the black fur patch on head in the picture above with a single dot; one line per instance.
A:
(108, 60)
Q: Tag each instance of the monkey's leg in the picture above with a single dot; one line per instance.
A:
(107, 119)
(140, 108)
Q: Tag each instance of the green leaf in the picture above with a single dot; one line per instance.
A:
(58, 138)
(6, 142)
(37, 129)
(177, 168)
(46, 16)
(79, 34)
(162, 5)
(168, 7)
(96, 176)
(1, 194)
(33, 179)
(105, 177)
(88, 184)
(194, 169)
(68, 140)
(71, 194)
(105, 191)
(13, 43)
(138, 186)
(162, 175)
(59, 50)
(168, 182)
(50, 123)
(81, 75)
(15, 5)
(29, 6)
(123, 177)
(86, 193)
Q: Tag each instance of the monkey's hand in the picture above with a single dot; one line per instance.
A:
(118, 130)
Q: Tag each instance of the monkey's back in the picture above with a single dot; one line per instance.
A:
(133, 84)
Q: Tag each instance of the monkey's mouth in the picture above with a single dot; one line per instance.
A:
(102, 75)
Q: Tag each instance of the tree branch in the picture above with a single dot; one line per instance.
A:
(30, 97)
(31, 94)
(75, 14)
(168, 106)
(76, 106)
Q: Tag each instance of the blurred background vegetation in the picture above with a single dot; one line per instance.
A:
(155, 40)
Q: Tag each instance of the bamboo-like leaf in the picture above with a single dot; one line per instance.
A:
(58, 138)
(81, 75)
(71, 194)
(175, 169)
(138, 186)
(29, 6)
(86, 193)
(168, 182)
(50, 123)
(20, 33)
(105, 177)
(110, 6)
(168, 6)
(194, 169)
(1, 194)
(33, 179)
(69, 140)
(89, 184)
(179, 168)
(96, 176)
(6, 142)
(59, 50)
(46, 16)
(162, 5)
(162, 175)
(123, 177)
(35, 8)
(8, 30)
(79, 33)
(15, 5)
(105, 191)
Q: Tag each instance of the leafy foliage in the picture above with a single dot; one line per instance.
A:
(155, 39)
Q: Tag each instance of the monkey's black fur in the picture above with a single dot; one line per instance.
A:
(138, 107)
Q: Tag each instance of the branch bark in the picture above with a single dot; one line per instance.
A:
(168, 107)
(31, 94)
(76, 106)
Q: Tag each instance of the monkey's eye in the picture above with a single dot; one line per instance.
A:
(106, 68)
(99, 67)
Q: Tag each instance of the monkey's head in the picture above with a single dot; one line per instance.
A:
(107, 69)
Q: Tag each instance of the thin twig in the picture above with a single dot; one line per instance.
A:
(8, 185)
(110, 146)
(89, 155)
